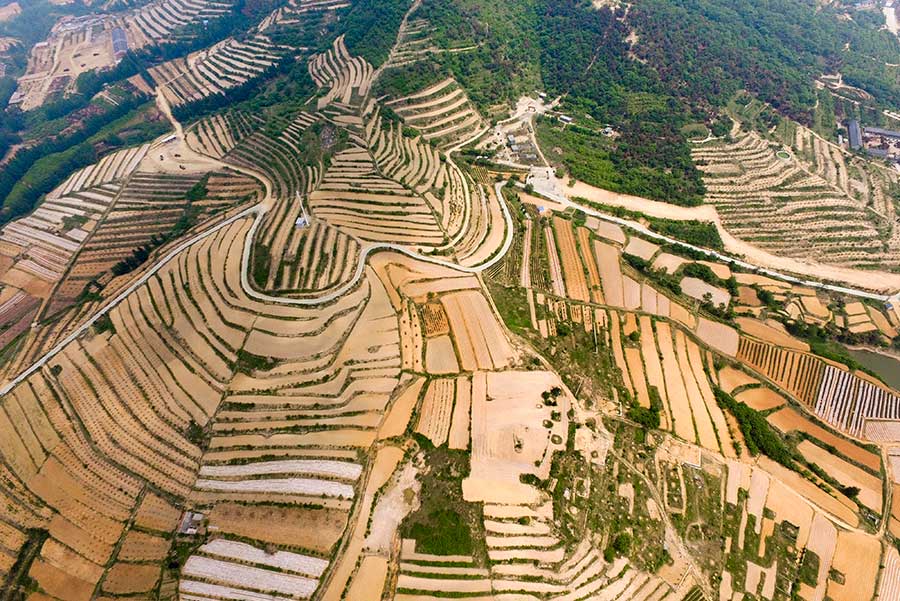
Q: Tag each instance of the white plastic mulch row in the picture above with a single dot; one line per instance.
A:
(296, 486)
(202, 591)
(283, 560)
(343, 470)
(250, 578)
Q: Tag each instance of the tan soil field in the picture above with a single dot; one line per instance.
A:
(631, 290)
(845, 473)
(668, 263)
(309, 528)
(838, 505)
(641, 248)
(722, 271)
(610, 231)
(124, 578)
(480, 341)
(59, 584)
(368, 583)
(747, 296)
(573, 271)
(508, 438)
(731, 378)
(610, 273)
(401, 410)
(440, 358)
(719, 336)
(139, 546)
(156, 513)
(679, 406)
(761, 398)
(788, 419)
(857, 557)
(698, 289)
(822, 541)
(437, 408)
(636, 370)
(459, 428)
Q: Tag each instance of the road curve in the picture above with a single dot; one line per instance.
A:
(111, 304)
(644, 231)
(364, 254)
(259, 211)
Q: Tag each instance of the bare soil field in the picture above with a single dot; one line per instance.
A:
(761, 399)
(508, 435)
(857, 558)
(849, 475)
(125, 578)
(788, 419)
(314, 529)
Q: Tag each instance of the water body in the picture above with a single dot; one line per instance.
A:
(886, 367)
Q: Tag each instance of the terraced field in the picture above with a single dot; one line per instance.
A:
(226, 65)
(87, 44)
(331, 383)
(815, 204)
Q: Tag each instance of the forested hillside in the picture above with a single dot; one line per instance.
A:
(709, 49)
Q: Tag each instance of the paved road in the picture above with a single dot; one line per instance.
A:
(259, 211)
(122, 295)
(637, 227)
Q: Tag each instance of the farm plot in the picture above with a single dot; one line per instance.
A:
(857, 405)
(479, 340)
(347, 78)
(229, 568)
(182, 346)
(145, 210)
(798, 373)
(437, 409)
(507, 436)
(442, 113)
(844, 399)
(847, 474)
(573, 271)
(154, 22)
(486, 229)
(36, 250)
(781, 207)
(354, 198)
(215, 70)
(420, 166)
(217, 135)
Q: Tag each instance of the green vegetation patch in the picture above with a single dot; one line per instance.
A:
(607, 163)
(445, 524)
(758, 434)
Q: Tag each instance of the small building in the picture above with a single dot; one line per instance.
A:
(884, 133)
(301, 222)
(190, 524)
(565, 118)
(855, 134)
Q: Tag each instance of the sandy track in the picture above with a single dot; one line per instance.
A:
(866, 280)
